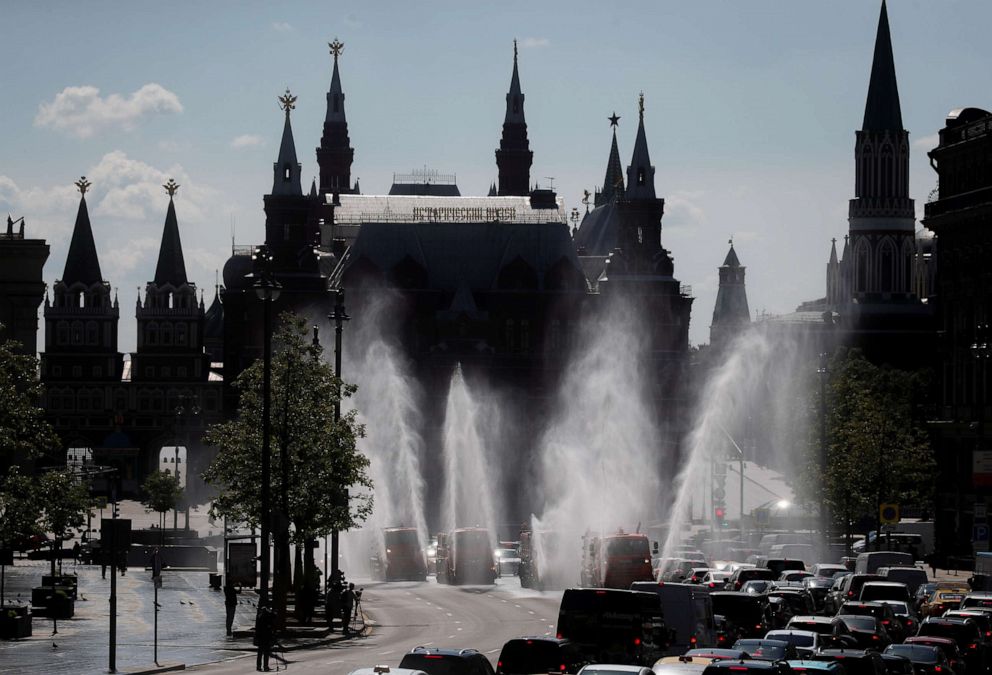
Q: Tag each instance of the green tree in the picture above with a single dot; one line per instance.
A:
(18, 514)
(162, 493)
(877, 448)
(321, 453)
(65, 502)
(24, 432)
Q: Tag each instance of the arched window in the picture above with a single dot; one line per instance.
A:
(92, 333)
(152, 334)
(510, 335)
(62, 332)
(861, 268)
(181, 334)
(166, 334)
(886, 266)
(77, 332)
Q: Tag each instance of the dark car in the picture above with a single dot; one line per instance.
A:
(435, 661)
(910, 622)
(817, 587)
(716, 653)
(745, 574)
(882, 611)
(747, 667)
(926, 660)
(743, 613)
(824, 625)
(795, 602)
(809, 667)
(982, 618)
(867, 631)
(779, 565)
(946, 645)
(897, 665)
(847, 589)
(965, 633)
(526, 655)
(855, 661)
(767, 650)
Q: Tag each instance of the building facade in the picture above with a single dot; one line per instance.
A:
(21, 285)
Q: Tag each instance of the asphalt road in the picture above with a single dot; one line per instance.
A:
(408, 614)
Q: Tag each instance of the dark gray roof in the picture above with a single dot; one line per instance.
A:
(82, 264)
(613, 183)
(731, 260)
(425, 189)
(882, 110)
(833, 252)
(640, 162)
(463, 256)
(171, 267)
(213, 326)
(335, 98)
(515, 97)
(283, 184)
(597, 232)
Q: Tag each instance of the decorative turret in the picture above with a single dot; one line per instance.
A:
(613, 183)
(287, 170)
(82, 264)
(881, 217)
(171, 267)
(640, 173)
(514, 157)
(335, 154)
(731, 312)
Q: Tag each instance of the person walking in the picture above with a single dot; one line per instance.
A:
(230, 604)
(264, 626)
(347, 608)
(332, 599)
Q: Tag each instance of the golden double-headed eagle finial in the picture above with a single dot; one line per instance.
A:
(640, 105)
(82, 185)
(336, 48)
(171, 187)
(287, 101)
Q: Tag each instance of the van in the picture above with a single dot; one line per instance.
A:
(688, 612)
(911, 576)
(884, 590)
(867, 563)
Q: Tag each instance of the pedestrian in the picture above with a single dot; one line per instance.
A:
(230, 604)
(347, 607)
(122, 562)
(104, 555)
(263, 637)
(332, 599)
(75, 553)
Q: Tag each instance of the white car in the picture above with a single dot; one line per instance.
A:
(806, 642)
(614, 669)
(382, 670)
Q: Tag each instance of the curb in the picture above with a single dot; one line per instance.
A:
(166, 667)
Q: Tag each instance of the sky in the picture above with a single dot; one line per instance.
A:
(750, 112)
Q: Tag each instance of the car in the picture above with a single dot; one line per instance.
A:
(897, 665)
(817, 588)
(507, 562)
(845, 589)
(983, 619)
(746, 667)
(779, 565)
(882, 611)
(827, 570)
(855, 661)
(756, 586)
(744, 614)
(715, 654)
(977, 600)
(614, 669)
(767, 650)
(538, 654)
(805, 641)
(905, 614)
(867, 631)
(794, 575)
(926, 660)
(675, 569)
(884, 590)
(384, 670)
(946, 645)
(966, 633)
(796, 600)
(913, 577)
(742, 576)
(824, 625)
(696, 575)
(434, 661)
(715, 580)
(940, 601)
(673, 666)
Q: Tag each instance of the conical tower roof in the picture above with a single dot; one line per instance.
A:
(287, 171)
(514, 97)
(882, 111)
(82, 264)
(213, 327)
(731, 259)
(833, 252)
(640, 173)
(335, 95)
(613, 182)
(171, 267)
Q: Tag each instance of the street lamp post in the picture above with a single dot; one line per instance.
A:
(267, 290)
(338, 316)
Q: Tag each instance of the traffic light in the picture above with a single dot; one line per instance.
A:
(720, 516)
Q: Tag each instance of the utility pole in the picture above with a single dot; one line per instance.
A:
(338, 316)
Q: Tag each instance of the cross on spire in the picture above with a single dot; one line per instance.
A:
(336, 48)
(82, 185)
(171, 187)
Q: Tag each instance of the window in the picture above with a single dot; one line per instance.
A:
(285, 172)
(77, 332)
(149, 371)
(285, 232)
(181, 371)
(97, 371)
(77, 371)
(62, 330)
(510, 330)
(337, 103)
(640, 235)
(886, 270)
(166, 371)
(92, 333)
(56, 371)
(516, 105)
(152, 337)
(181, 334)
(861, 270)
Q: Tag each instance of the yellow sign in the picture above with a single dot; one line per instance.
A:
(888, 514)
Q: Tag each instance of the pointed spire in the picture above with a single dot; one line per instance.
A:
(613, 183)
(833, 251)
(286, 170)
(313, 189)
(82, 264)
(731, 260)
(515, 97)
(171, 267)
(335, 96)
(882, 111)
(640, 173)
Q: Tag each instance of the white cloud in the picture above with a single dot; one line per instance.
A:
(282, 27)
(927, 142)
(126, 258)
(82, 112)
(247, 141)
(534, 42)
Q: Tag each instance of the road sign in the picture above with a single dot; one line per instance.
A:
(979, 533)
(888, 514)
(719, 493)
(761, 516)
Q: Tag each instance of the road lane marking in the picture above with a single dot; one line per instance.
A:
(451, 637)
(530, 611)
(390, 651)
(448, 613)
(427, 644)
(492, 651)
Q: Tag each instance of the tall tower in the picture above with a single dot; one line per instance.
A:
(881, 216)
(514, 157)
(170, 321)
(731, 312)
(81, 323)
(22, 286)
(335, 154)
(639, 233)
(613, 182)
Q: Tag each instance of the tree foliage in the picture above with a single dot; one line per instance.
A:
(18, 508)
(24, 432)
(64, 501)
(321, 452)
(877, 448)
(161, 491)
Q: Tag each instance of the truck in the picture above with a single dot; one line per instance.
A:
(688, 612)
(614, 626)
(536, 570)
(616, 560)
(465, 556)
(401, 558)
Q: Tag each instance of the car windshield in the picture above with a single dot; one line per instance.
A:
(817, 582)
(821, 627)
(795, 639)
(756, 586)
(915, 653)
(897, 606)
(859, 622)
(763, 650)
(438, 664)
(628, 546)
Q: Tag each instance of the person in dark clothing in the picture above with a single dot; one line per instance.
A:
(263, 637)
(230, 604)
(332, 599)
(347, 607)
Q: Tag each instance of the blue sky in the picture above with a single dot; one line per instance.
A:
(751, 108)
